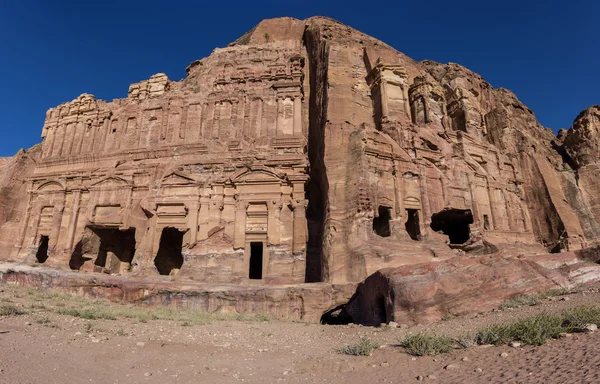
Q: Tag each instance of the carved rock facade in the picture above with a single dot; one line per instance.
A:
(305, 151)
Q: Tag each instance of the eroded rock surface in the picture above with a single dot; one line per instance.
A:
(424, 293)
(305, 151)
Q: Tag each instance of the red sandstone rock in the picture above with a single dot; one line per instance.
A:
(303, 151)
(424, 293)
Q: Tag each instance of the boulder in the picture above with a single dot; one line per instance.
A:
(459, 286)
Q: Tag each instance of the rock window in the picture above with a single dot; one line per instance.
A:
(381, 223)
(42, 252)
(256, 260)
(454, 223)
(169, 260)
(412, 224)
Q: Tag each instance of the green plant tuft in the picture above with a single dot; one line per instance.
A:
(422, 344)
(363, 348)
(11, 310)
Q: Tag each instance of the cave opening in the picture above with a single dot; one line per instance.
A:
(169, 258)
(256, 260)
(454, 223)
(116, 249)
(42, 252)
(412, 225)
(381, 223)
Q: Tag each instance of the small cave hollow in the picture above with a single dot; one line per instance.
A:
(381, 223)
(42, 253)
(169, 258)
(453, 223)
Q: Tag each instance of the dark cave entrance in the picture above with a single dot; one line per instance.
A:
(412, 225)
(454, 223)
(256, 260)
(381, 223)
(42, 252)
(169, 258)
(116, 249)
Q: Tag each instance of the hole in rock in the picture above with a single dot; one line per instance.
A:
(256, 260)
(381, 223)
(169, 259)
(116, 249)
(336, 316)
(454, 223)
(412, 224)
(42, 252)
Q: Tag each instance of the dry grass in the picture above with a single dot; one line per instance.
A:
(364, 347)
(423, 344)
(40, 301)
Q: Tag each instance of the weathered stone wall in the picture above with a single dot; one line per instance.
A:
(303, 151)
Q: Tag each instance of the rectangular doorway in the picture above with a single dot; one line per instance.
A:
(412, 225)
(256, 260)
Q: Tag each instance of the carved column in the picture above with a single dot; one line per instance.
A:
(300, 228)
(23, 231)
(57, 217)
(73, 216)
(228, 214)
(203, 218)
(239, 240)
(297, 115)
(273, 227)
(193, 220)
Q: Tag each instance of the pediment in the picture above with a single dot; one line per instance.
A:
(258, 176)
(111, 182)
(50, 186)
(176, 178)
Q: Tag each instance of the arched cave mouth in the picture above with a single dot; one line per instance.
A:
(453, 223)
(42, 252)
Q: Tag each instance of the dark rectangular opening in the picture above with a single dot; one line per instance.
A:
(412, 224)
(381, 223)
(42, 252)
(116, 249)
(169, 258)
(486, 222)
(256, 260)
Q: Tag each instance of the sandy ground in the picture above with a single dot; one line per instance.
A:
(42, 346)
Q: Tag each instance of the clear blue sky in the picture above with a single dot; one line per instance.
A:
(547, 52)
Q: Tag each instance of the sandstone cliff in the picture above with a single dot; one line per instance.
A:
(303, 151)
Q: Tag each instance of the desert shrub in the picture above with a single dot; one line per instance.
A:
(495, 334)
(88, 314)
(465, 341)
(578, 317)
(363, 348)
(536, 330)
(532, 331)
(11, 310)
(422, 344)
